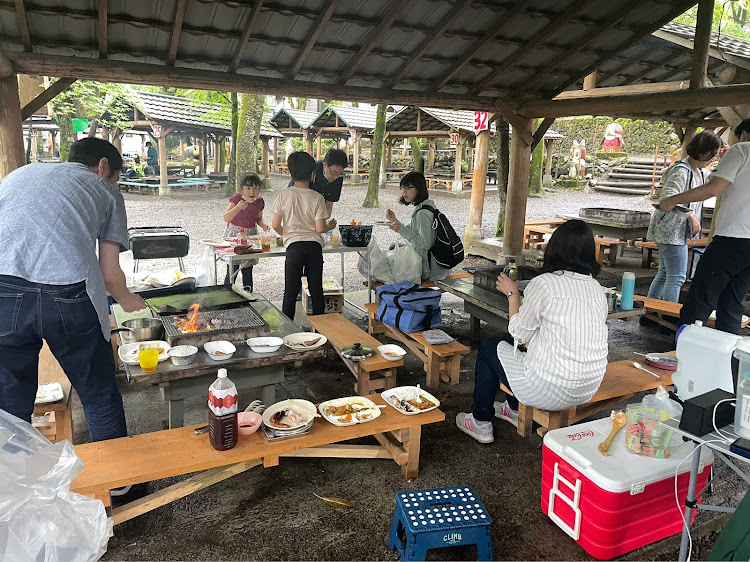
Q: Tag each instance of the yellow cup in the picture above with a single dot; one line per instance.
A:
(148, 359)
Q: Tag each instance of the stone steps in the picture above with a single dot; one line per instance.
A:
(632, 177)
(622, 190)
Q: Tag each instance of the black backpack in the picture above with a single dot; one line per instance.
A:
(448, 250)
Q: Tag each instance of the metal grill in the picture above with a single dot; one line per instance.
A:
(236, 324)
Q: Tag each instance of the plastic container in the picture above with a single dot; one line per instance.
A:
(335, 240)
(645, 435)
(742, 409)
(222, 413)
(628, 290)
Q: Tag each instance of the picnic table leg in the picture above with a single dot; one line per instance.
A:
(411, 441)
(268, 394)
(525, 419)
(432, 368)
(474, 326)
(64, 424)
(176, 413)
(613, 255)
(363, 383)
(453, 368)
(646, 260)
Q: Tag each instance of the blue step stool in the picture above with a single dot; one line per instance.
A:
(439, 517)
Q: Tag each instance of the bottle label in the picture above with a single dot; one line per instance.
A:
(222, 402)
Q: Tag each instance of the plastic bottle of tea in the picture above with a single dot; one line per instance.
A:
(222, 412)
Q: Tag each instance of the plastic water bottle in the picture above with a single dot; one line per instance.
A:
(742, 409)
(628, 290)
(222, 412)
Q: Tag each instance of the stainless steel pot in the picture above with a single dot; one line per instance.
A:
(141, 329)
(611, 300)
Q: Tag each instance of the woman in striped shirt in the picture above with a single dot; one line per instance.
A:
(555, 352)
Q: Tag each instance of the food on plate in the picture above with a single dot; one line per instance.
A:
(392, 353)
(286, 418)
(306, 343)
(219, 352)
(145, 346)
(411, 405)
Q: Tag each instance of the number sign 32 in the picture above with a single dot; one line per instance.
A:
(481, 120)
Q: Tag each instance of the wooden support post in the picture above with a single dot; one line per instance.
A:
(217, 154)
(12, 154)
(319, 146)
(309, 143)
(355, 164)
(469, 157)
(457, 185)
(473, 230)
(389, 154)
(518, 188)
(405, 148)
(275, 155)
(54, 143)
(266, 182)
(164, 189)
(704, 19)
(589, 82)
(547, 178)
(687, 136)
(201, 157)
(431, 155)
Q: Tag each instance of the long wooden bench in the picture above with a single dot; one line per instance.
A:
(59, 426)
(441, 362)
(606, 248)
(174, 452)
(655, 307)
(430, 284)
(650, 247)
(342, 333)
(533, 235)
(621, 381)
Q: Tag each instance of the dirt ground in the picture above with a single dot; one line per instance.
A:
(272, 514)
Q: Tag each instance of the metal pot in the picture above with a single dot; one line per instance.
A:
(141, 329)
(357, 352)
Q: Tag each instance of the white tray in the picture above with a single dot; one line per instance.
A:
(128, 353)
(409, 392)
(335, 420)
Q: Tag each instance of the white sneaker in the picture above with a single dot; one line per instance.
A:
(481, 431)
(504, 412)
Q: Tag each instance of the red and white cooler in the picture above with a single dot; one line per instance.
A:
(613, 504)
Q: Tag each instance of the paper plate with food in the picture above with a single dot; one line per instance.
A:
(303, 341)
(349, 411)
(289, 414)
(128, 353)
(410, 400)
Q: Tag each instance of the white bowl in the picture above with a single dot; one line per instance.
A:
(265, 344)
(392, 352)
(219, 350)
(182, 354)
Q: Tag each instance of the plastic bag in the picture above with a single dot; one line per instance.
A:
(405, 264)
(378, 265)
(645, 435)
(40, 518)
(206, 275)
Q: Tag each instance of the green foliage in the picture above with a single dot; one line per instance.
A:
(730, 18)
(107, 103)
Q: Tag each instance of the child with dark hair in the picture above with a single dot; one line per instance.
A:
(245, 211)
(300, 216)
(420, 232)
(555, 352)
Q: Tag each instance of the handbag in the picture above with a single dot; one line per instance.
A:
(409, 307)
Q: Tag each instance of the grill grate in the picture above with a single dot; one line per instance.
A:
(236, 324)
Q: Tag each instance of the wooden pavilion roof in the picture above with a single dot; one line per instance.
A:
(462, 54)
(291, 122)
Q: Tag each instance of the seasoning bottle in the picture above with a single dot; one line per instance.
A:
(241, 238)
(511, 270)
(222, 413)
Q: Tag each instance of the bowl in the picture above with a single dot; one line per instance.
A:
(219, 350)
(392, 352)
(248, 417)
(355, 236)
(182, 354)
(265, 344)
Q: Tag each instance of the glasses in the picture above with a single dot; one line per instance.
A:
(406, 187)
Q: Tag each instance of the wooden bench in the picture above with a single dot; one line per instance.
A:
(533, 235)
(430, 284)
(650, 247)
(545, 222)
(342, 333)
(282, 168)
(441, 362)
(174, 452)
(60, 424)
(606, 249)
(655, 307)
(621, 381)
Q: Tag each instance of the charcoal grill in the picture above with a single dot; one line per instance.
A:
(158, 242)
(485, 277)
(616, 216)
(235, 325)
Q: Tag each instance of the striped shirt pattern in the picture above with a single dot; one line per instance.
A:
(562, 322)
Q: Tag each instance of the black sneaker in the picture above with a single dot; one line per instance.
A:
(127, 494)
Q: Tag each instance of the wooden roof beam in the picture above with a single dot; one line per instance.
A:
(45, 97)
(23, 25)
(392, 11)
(517, 123)
(638, 103)
(622, 90)
(553, 27)
(252, 18)
(317, 29)
(179, 18)
(541, 130)
(103, 28)
(501, 23)
(428, 41)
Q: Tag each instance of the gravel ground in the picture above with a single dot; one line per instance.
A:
(199, 213)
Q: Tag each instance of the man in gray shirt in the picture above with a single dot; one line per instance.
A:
(54, 287)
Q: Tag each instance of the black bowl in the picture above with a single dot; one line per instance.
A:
(355, 236)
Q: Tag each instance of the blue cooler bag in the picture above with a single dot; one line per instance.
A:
(409, 307)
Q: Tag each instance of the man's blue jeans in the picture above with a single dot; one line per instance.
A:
(488, 374)
(672, 272)
(65, 317)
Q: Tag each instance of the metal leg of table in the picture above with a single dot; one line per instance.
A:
(689, 501)
(474, 329)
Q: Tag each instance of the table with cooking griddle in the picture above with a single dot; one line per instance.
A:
(246, 368)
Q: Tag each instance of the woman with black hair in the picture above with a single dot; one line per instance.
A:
(420, 232)
(554, 354)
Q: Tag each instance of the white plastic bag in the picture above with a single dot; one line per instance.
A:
(405, 264)
(206, 275)
(40, 518)
(380, 269)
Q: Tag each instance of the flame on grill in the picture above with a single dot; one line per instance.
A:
(190, 324)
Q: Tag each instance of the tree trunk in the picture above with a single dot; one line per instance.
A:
(221, 154)
(230, 185)
(301, 103)
(503, 165)
(67, 136)
(248, 134)
(371, 199)
(416, 153)
(536, 170)
(94, 126)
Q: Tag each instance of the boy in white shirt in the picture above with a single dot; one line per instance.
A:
(300, 216)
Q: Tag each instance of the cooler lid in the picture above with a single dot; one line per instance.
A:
(622, 470)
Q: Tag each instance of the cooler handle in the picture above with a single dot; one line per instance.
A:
(573, 532)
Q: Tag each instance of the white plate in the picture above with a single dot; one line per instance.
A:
(128, 353)
(49, 392)
(382, 223)
(409, 392)
(303, 407)
(373, 410)
(293, 341)
(216, 243)
(266, 344)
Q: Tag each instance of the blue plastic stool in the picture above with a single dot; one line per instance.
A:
(439, 517)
